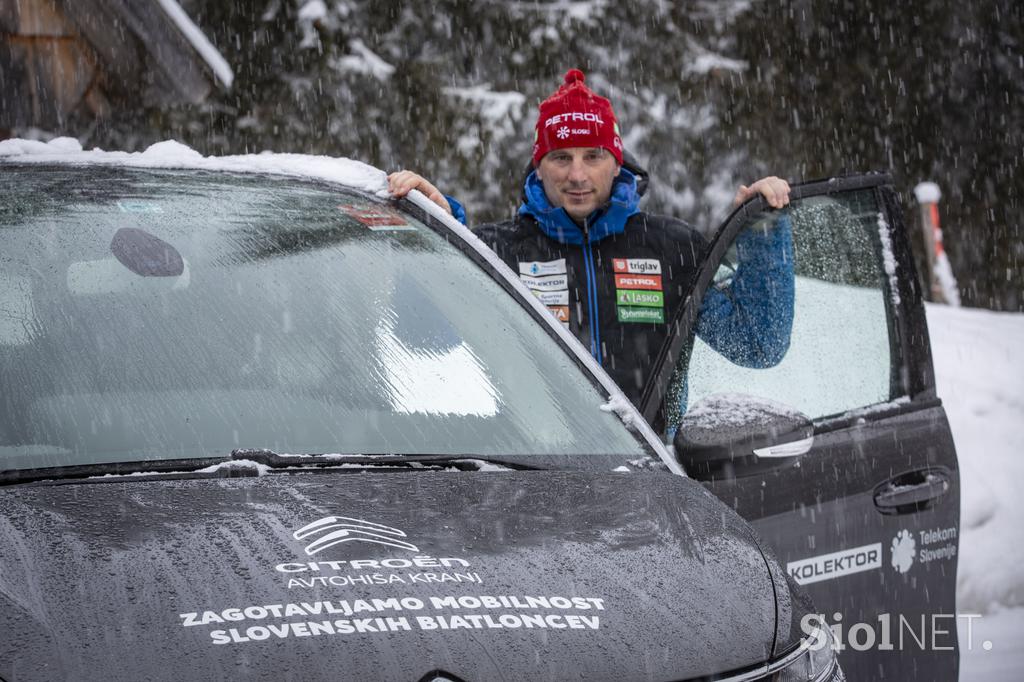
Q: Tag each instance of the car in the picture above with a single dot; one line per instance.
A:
(261, 421)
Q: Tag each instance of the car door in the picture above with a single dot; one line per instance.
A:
(865, 513)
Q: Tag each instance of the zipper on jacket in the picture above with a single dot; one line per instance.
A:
(591, 275)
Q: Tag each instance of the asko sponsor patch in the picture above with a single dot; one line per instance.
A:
(629, 281)
(637, 266)
(649, 299)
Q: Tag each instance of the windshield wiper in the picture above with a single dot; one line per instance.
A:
(158, 468)
(255, 462)
(462, 462)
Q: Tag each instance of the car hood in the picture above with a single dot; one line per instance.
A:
(483, 575)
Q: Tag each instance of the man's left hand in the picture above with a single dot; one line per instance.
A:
(775, 191)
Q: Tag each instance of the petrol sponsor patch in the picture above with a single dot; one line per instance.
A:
(629, 281)
(649, 315)
(836, 564)
(638, 266)
(377, 218)
(650, 299)
(540, 268)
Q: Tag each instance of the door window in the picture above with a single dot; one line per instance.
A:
(798, 312)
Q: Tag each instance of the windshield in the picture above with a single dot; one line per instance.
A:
(166, 315)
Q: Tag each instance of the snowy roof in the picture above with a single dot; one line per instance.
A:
(86, 57)
(171, 154)
(199, 41)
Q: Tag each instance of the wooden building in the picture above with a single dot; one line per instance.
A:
(73, 61)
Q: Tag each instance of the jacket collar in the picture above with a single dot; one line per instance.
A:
(607, 220)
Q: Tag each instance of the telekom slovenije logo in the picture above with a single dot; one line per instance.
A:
(334, 530)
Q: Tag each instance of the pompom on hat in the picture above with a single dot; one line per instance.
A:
(575, 116)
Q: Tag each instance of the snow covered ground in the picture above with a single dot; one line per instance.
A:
(980, 375)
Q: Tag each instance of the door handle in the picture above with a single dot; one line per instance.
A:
(911, 489)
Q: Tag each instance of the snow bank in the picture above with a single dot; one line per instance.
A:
(171, 154)
(980, 375)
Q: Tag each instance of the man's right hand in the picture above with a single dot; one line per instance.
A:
(403, 181)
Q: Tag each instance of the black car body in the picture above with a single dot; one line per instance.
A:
(839, 456)
(258, 427)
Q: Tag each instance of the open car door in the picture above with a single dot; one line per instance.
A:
(800, 391)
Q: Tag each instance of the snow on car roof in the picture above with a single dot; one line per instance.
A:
(171, 154)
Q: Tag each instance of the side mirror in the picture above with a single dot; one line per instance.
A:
(729, 435)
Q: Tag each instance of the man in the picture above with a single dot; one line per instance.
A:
(616, 275)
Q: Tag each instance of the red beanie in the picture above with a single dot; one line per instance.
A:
(576, 117)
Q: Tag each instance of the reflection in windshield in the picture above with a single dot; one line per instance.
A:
(427, 365)
(240, 312)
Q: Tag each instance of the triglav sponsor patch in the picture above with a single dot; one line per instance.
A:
(637, 266)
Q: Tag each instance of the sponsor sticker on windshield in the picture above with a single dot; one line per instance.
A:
(377, 218)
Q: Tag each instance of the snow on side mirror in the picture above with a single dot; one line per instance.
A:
(729, 435)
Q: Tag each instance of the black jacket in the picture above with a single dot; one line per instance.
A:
(618, 294)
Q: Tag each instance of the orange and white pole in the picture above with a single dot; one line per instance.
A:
(943, 285)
